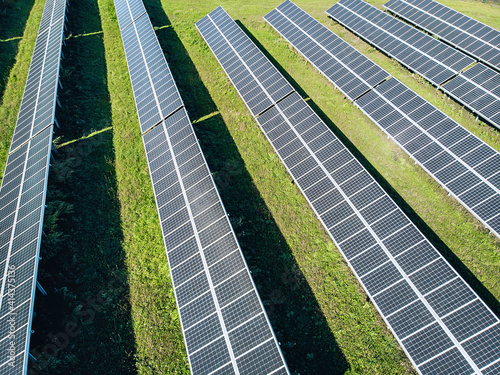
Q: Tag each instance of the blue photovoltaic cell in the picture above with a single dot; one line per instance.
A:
(349, 70)
(464, 33)
(389, 255)
(478, 88)
(224, 324)
(429, 57)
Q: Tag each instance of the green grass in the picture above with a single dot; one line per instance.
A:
(102, 223)
(13, 17)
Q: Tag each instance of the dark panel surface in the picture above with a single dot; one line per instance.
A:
(22, 201)
(155, 93)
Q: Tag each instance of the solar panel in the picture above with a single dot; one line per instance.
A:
(22, 203)
(473, 37)
(153, 86)
(429, 57)
(225, 327)
(436, 317)
(478, 88)
(423, 131)
(53, 11)
(23, 191)
(349, 70)
(37, 109)
(224, 323)
(252, 80)
(129, 11)
(462, 163)
(420, 53)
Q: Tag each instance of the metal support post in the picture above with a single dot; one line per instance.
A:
(40, 288)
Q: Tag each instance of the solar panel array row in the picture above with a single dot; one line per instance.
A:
(461, 162)
(478, 88)
(22, 203)
(437, 318)
(254, 78)
(349, 70)
(225, 327)
(156, 95)
(37, 109)
(128, 12)
(423, 54)
(413, 49)
(473, 37)
(23, 191)
(465, 165)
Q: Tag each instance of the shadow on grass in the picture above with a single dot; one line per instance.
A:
(447, 253)
(13, 18)
(306, 339)
(83, 326)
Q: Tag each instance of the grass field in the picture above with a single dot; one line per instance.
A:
(104, 263)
